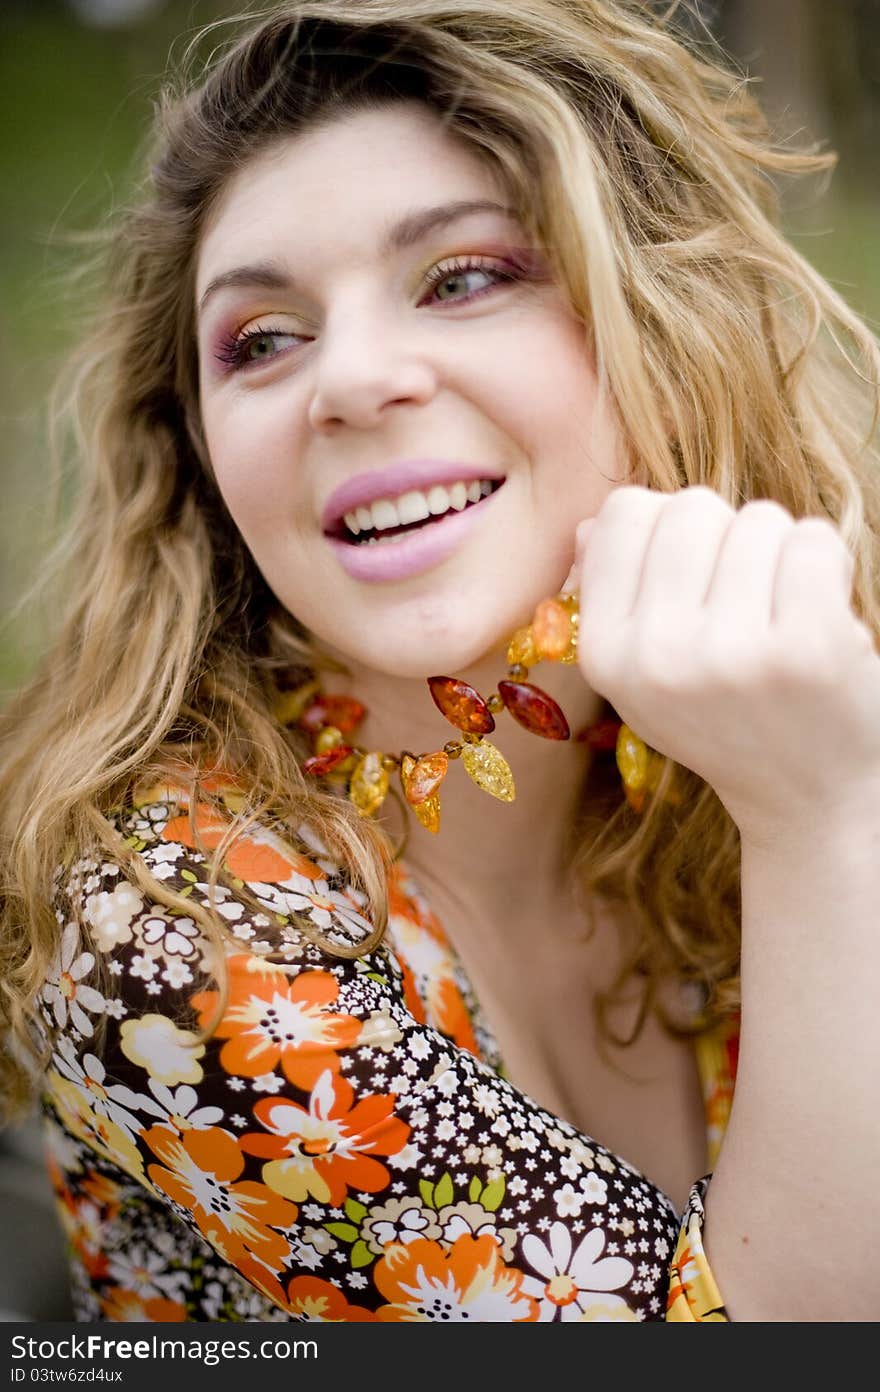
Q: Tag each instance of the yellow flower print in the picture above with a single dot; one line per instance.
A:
(170, 1055)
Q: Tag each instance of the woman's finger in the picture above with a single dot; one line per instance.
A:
(680, 557)
(739, 598)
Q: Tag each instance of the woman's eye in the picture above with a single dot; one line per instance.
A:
(465, 282)
(256, 346)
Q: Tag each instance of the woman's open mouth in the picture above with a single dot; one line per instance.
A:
(390, 518)
(392, 538)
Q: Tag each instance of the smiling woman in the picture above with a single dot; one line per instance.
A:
(458, 339)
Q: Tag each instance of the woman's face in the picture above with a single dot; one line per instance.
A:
(375, 329)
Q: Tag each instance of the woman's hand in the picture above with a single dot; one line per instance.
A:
(726, 640)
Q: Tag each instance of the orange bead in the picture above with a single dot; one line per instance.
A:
(319, 764)
(534, 710)
(342, 711)
(424, 776)
(555, 637)
(462, 706)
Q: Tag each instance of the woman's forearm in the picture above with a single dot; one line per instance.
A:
(793, 1211)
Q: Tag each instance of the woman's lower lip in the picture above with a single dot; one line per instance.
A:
(425, 548)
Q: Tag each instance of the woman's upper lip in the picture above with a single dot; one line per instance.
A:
(363, 489)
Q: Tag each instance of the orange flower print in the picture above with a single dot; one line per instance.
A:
(428, 962)
(271, 1019)
(199, 1171)
(423, 1282)
(124, 1306)
(327, 1148)
(257, 857)
(318, 1302)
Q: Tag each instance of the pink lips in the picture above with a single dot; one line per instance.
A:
(422, 550)
(363, 489)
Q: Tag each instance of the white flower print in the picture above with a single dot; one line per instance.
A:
(399, 1220)
(572, 1281)
(594, 1189)
(110, 914)
(568, 1202)
(142, 966)
(172, 936)
(178, 1110)
(90, 1075)
(146, 1273)
(177, 974)
(65, 991)
(268, 1082)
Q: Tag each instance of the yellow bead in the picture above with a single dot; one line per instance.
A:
(369, 784)
(328, 738)
(428, 813)
(632, 760)
(290, 704)
(489, 769)
(521, 650)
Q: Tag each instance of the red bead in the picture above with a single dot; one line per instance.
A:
(534, 710)
(462, 706)
(602, 736)
(342, 711)
(319, 764)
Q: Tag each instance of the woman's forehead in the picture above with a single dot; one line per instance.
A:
(352, 179)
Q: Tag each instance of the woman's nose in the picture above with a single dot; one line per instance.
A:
(363, 371)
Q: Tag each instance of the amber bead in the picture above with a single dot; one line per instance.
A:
(601, 736)
(534, 710)
(489, 769)
(452, 750)
(632, 760)
(428, 813)
(369, 784)
(320, 764)
(555, 636)
(327, 738)
(342, 711)
(462, 706)
(290, 705)
(517, 672)
(423, 777)
(495, 703)
(521, 650)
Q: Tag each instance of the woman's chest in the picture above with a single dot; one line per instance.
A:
(643, 1101)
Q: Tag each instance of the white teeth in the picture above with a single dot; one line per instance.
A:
(458, 497)
(412, 507)
(438, 500)
(415, 506)
(384, 515)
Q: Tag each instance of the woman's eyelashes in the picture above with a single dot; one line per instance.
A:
(455, 282)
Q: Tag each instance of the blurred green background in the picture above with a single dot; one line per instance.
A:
(77, 79)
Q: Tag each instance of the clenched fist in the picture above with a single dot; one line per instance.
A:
(727, 641)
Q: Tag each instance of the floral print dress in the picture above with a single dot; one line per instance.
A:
(344, 1146)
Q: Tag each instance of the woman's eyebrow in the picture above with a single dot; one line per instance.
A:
(409, 230)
